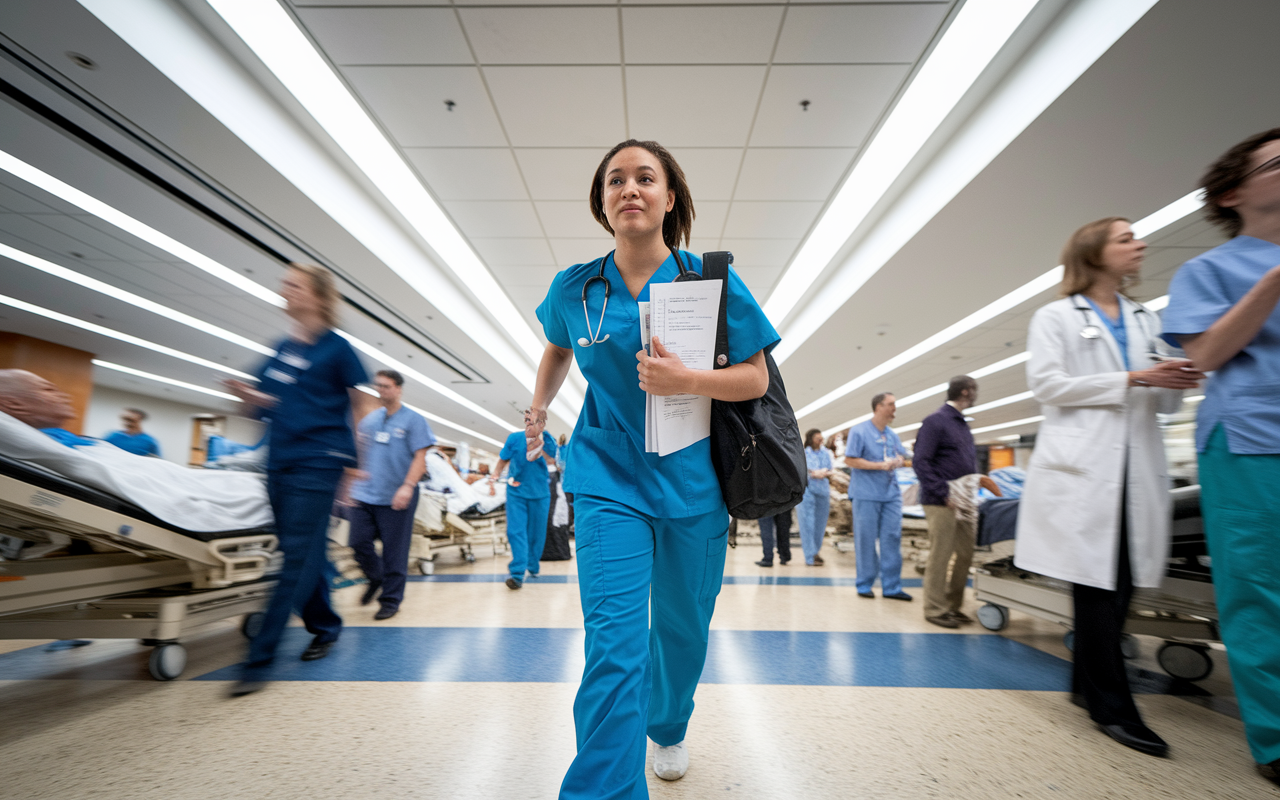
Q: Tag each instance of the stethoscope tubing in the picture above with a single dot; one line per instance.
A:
(596, 338)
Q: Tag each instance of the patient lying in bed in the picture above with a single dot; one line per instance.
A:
(33, 412)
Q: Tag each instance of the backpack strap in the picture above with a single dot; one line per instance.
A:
(715, 266)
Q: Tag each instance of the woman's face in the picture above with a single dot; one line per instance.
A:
(815, 441)
(299, 296)
(1123, 253)
(636, 197)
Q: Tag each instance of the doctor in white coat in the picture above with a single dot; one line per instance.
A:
(1096, 509)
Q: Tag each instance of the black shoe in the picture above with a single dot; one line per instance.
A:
(514, 583)
(385, 613)
(943, 622)
(817, 561)
(1139, 737)
(868, 595)
(1077, 699)
(763, 563)
(1271, 771)
(961, 617)
(370, 592)
(316, 651)
(245, 686)
(900, 596)
(784, 561)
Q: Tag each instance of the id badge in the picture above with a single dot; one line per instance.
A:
(382, 437)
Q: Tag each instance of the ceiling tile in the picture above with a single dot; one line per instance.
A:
(791, 174)
(700, 34)
(558, 173)
(758, 279)
(12, 199)
(858, 34)
(410, 102)
(580, 251)
(388, 35)
(701, 106)
(709, 219)
(504, 219)
(526, 276)
(709, 171)
(772, 253)
(505, 252)
(844, 103)
(469, 173)
(548, 35)
(771, 220)
(559, 106)
(569, 219)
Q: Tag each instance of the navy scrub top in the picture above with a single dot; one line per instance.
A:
(606, 454)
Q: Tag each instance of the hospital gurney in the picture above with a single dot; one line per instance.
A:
(145, 579)
(436, 528)
(1182, 611)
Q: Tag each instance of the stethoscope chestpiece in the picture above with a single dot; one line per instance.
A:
(1090, 332)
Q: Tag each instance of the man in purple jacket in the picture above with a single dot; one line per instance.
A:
(945, 451)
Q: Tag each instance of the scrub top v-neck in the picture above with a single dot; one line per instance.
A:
(606, 454)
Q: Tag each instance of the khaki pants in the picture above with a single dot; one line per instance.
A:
(944, 579)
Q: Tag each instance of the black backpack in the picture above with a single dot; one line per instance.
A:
(756, 447)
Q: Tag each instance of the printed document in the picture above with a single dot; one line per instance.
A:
(683, 316)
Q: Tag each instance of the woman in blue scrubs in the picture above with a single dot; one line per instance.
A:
(651, 530)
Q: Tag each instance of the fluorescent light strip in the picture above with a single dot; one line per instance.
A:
(974, 37)
(441, 420)
(1004, 401)
(915, 426)
(1003, 425)
(141, 230)
(273, 36)
(117, 335)
(162, 379)
(96, 285)
(1013, 437)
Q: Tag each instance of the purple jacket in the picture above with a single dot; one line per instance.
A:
(944, 451)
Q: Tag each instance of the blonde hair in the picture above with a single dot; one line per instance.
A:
(325, 289)
(1082, 256)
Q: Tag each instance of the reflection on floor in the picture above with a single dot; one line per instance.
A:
(809, 692)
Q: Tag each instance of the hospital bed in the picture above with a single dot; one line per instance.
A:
(142, 578)
(1182, 611)
(435, 528)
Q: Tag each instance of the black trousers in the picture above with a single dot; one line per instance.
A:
(1098, 668)
(776, 530)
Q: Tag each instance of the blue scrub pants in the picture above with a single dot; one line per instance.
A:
(878, 521)
(301, 499)
(814, 510)
(648, 588)
(1242, 524)
(395, 529)
(527, 533)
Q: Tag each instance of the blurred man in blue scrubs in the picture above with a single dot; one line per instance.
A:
(133, 439)
(874, 453)
(528, 503)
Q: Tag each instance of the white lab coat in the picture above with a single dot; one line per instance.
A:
(1068, 520)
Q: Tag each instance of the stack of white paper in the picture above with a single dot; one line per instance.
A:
(684, 317)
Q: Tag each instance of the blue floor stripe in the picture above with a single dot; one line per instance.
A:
(739, 580)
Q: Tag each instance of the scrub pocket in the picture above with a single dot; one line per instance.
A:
(1252, 543)
(713, 577)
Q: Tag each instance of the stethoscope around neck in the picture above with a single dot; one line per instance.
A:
(595, 337)
(1091, 332)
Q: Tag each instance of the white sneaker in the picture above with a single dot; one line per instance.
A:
(671, 763)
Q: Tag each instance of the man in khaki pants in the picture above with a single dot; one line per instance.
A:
(945, 451)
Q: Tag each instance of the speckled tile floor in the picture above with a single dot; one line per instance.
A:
(865, 699)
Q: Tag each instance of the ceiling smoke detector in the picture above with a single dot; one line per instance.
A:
(82, 61)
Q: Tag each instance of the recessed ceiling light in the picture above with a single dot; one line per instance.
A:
(82, 61)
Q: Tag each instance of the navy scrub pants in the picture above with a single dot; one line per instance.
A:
(395, 529)
(301, 499)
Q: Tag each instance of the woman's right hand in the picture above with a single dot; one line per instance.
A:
(1180, 374)
(535, 422)
(248, 394)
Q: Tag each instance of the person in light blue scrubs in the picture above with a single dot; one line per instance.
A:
(651, 530)
(874, 453)
(816, 505)
(528, 503)
(133, 439)
(1224, 310)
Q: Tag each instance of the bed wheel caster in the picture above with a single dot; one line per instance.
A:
(993, 617)
(1185, 661)
(426, 566)
(1129, 645)
(1069, 641)
(252, 624)
(167, 661)
(471, 558)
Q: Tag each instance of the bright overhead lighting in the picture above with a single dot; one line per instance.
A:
(274, 38)
(434, 418)
(1013, 437)
(1003, 425)
(1004, 401)
(1182, 207)
(96, 285)
(162, 379)
(915, 426)
(118, 336)
(124, 222)
(974, 37)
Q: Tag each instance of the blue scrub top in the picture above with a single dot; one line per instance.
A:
(815, 460)
(311, 422)
(62, 436)
(387, 445)
(1243, 395)
(1116, 327)
(606, 455)
(141, 444)
(534, 477)
(869, 442)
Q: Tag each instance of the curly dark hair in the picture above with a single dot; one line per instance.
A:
(1226, 174)
(677, 225)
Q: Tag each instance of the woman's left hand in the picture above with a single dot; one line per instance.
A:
(662, 373)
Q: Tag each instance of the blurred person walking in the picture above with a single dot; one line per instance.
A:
(393, 442)
(775, 532)
(133, 439)
(1223, 311)
(816, 505)
(945, 451)
(528, 503)
(874, 453)
(305, 392)
(1096, 508)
